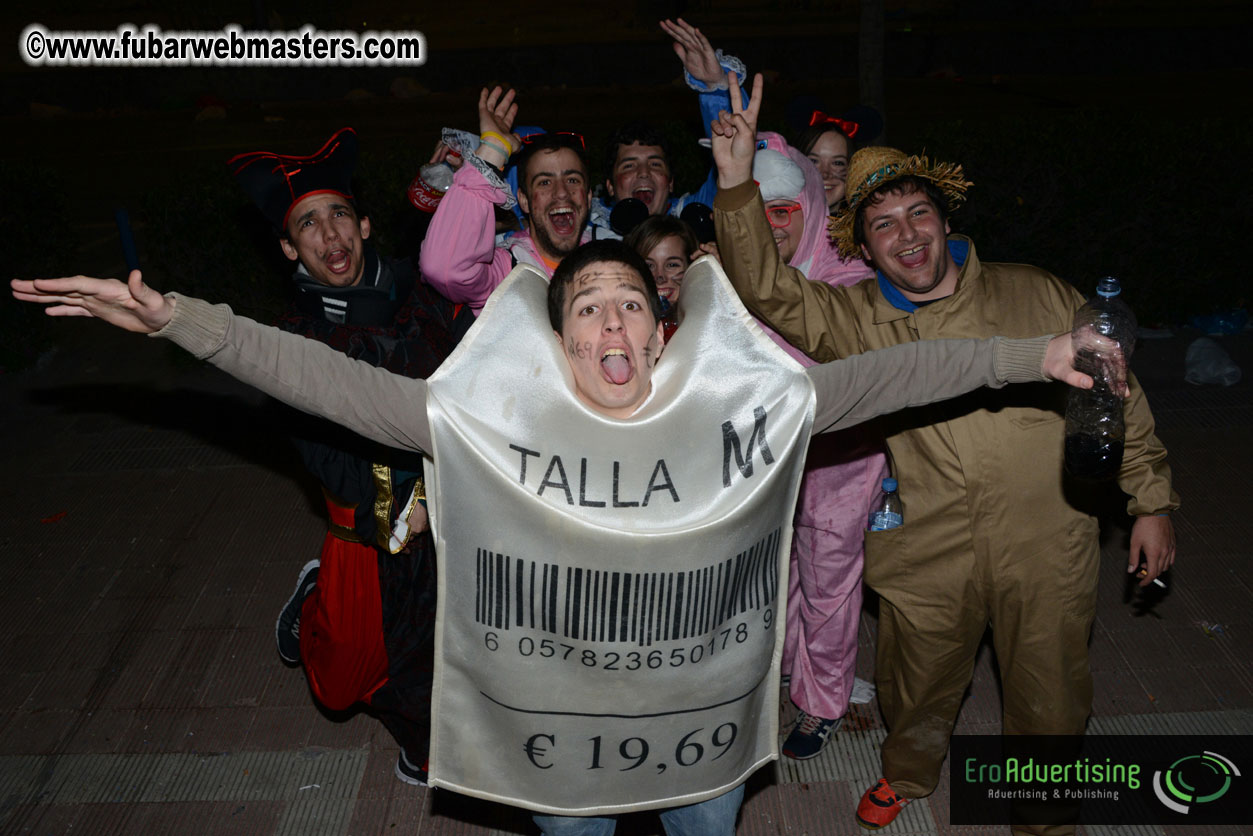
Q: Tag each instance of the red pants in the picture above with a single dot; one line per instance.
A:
(341, 622)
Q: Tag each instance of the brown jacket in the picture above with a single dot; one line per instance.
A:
(989, 461)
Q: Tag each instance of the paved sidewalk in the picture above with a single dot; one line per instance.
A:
(154, 521)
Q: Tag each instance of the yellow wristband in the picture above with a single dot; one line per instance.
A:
(504, 140)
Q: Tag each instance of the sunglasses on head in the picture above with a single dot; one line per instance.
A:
(569, 136)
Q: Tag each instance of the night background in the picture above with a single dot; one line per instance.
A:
(1103, 136)
(155, 512)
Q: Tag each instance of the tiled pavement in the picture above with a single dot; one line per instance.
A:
(153, 523)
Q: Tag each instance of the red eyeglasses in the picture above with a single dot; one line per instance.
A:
(781, 216)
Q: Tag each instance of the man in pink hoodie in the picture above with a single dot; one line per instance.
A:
(460, 257)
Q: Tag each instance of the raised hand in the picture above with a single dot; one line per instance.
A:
(734, 135)
(132, 306)
(695, 51)
(497, 110)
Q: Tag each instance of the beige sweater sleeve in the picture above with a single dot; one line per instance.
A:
(304, 373)
(863, 386)
(391, 409)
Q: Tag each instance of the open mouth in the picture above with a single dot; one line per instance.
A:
(913, 257)
(616, 366)
(337, 261)
(644, 195)
(562, 220)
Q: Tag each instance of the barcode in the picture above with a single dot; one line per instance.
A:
(640, 608)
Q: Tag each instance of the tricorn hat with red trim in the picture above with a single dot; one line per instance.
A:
(277, 182)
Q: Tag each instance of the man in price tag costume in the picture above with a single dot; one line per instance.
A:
(609, 524)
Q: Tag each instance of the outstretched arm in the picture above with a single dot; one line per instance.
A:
(878, 382)
(132, 306)
(303, 373)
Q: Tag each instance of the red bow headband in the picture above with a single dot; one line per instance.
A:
(848, 128)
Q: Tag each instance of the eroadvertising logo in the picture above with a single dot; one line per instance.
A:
(1100, 779)
(1194, 780)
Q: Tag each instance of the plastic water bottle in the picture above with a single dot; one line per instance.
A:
(1094, 423)
(888, 511)
(429, 187)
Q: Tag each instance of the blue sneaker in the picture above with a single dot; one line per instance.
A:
(408, 772)
(809, 736)
(287, 630)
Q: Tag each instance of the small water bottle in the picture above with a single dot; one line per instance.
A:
(1094, 422)
(888, 510)
(429, 187)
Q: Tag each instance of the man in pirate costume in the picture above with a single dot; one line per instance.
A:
(362, 617)
(994, 535)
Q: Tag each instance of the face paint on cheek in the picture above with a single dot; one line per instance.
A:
(651, 353)
(579, 352)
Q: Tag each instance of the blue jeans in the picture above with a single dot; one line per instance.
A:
(715, 817)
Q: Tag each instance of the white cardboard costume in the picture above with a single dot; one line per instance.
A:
(610, 591)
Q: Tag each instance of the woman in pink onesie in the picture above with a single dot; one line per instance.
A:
(842, 476)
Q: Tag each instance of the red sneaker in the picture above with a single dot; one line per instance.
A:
(879, 806)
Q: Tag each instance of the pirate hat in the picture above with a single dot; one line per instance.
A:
(277, 182)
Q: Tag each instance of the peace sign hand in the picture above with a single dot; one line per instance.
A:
(734, 135)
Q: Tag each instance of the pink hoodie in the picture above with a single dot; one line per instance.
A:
(815, 256)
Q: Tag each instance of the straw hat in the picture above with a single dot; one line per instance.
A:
(870, 168)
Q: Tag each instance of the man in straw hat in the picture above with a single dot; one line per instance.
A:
(994, 534)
